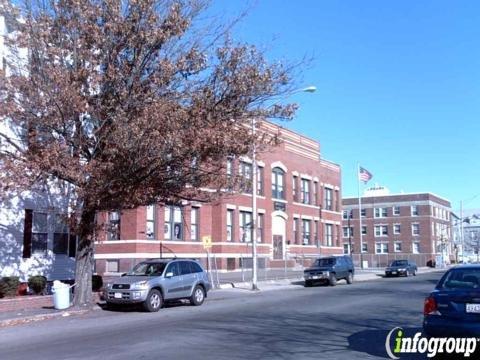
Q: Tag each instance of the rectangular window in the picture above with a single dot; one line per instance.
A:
(364, 247)
(398, 247)
(306, 232)
(315, 230)
(337, 200)
(364, 230)
(381, 230)
(194, 220)
(381, 212)
(381, 248)
(247, 177)
(173, 224)
(113, 225)
(60, 236)
(346, 249)
(260, 226)
(396, 229)
(364, 213)
(396, 210)
(345, 214)
(328, 199)
(150, 222)
(416, 247)
(260, 187)
(329, 234)
(295, 231)
(39, 233)
(414, 210)
(294, 188)
(347, 232)
(27, 233)
(315, 193)
(245, 226)
(112, 266)
(230, 214)
(305, 191)
(415, 229)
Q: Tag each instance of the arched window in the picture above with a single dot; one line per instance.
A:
(278, 183)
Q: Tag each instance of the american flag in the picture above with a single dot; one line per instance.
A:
(364, 175)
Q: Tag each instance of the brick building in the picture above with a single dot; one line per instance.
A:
(299, 216)
(413, 226)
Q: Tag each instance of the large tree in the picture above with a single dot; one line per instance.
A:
(131, 102)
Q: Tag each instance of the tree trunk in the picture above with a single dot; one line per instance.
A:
(84, 260)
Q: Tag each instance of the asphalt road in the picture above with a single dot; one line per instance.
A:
(342, 322)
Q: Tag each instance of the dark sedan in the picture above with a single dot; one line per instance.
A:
(401, 267)
(453, 308)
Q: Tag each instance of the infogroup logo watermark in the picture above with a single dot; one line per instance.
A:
(397, 344)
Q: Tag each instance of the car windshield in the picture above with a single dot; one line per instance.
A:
(147, 269)
(400, 263)
(461, 279)
(325, 262)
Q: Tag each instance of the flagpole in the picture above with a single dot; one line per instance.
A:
(360, 217)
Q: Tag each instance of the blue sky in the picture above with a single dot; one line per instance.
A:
(398, 86)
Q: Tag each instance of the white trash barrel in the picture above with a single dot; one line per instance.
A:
(61, 295)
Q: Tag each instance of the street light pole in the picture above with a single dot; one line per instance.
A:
(309, 89)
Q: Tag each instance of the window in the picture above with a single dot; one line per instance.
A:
(294, 188)
(230, 214)
(173, 227)
(305, 191)
(278, 183)
(381, 248)
(364, 230)
(381, 230)
(329, 234)
(173, 268)
(315, 230)
(414, 210)
(396, 229)
(347, 232)
(112, 266)
(416, 247)
(113, 225)
(150, 226)
(328, 199)
(306, 231)
(346, 249)
(185, 268)
(415, 229)
(245, 226)
(229, 167)
(337, 201)
(364, 247)
(260, 226)
(315, 193)
(398, 247)
(60, 236)
(364, 213)
(396, 210)
(260, 174)
(247, 177)
(381, 212)
(345, 214)
(39, 232)
(295, 231)
(194, 220)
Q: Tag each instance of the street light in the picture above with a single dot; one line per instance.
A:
(309, 89)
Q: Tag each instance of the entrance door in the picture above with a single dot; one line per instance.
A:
(278, 247)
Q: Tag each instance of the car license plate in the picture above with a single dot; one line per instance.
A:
(394, 272)
(473, 308)
(117, 295)
(315, 277)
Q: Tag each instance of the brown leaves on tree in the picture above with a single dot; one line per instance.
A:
(129, 102)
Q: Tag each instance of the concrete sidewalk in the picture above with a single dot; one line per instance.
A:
(226, 291)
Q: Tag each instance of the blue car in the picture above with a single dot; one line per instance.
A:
(453, 308)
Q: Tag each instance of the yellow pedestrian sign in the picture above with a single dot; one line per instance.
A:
(207, 241)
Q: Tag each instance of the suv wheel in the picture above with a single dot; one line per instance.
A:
(332, 279)
(308, 283)
(154, 301)
(198, 296)
(349, 278)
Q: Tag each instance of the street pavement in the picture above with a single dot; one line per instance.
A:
(288, 322)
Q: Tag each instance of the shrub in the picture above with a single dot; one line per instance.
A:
(97, 282)
(9, 286)
(37, 283)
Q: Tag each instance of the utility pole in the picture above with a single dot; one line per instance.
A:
(254, 207)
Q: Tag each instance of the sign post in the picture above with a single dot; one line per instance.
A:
(207, 245)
